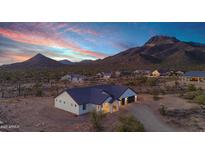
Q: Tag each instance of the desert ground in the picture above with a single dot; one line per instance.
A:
(34, 114)
(37, 113)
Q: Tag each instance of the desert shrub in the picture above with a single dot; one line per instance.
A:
(192, 94)
(130, 83)
(151, 82)
(129, 123)
(140, 80)
(162, 110)
(200, 99)
(39, 92)
(176, 83)
(96, 120)
(192, 87)
(189, 95)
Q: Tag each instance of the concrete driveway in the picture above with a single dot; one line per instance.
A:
(151, 121)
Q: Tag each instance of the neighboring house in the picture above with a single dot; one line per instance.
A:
(104, 75)
(179, 73)
(176, 73)
(142, 72)
(158, 73)
(106, 98)
(107, 75)
(155, 73)
(99, 75)
(74, 78)
(117, 73)
(194, 76)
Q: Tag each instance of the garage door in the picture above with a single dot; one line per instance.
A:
(131, 99)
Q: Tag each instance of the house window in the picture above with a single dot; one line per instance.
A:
(84, 106)
(71, 104)
(64, 102)
(75, 105)
(60, 101)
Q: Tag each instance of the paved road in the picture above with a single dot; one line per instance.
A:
(150, 120)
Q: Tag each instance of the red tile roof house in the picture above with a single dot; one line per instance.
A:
(106, 98)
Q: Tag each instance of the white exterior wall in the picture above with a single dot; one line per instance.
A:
(66, 103)
(128, 93)
(107, 76)
(66, 77)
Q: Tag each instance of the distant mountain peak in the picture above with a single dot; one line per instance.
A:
(39, 55)
(161, 39)
(66, 62)
(37, 61)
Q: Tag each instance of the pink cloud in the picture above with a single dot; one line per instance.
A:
(47, 38)
(80, 31)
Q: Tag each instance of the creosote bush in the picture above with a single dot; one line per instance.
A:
(162, 109)
(96, 120)
(129, 123)
(200, 99)
(192, 87)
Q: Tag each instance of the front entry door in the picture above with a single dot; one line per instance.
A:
(123, 101)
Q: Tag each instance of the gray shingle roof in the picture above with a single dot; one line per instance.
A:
(195, 74)
(96, 94)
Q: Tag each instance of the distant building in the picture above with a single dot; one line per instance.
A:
(74, 78)
(142, 72)
(107, 75)
(178, 73)
(155, 73)
(117, 73)
(158, 73)
(194, 76)
(99, 75)
(105, 98)
(104, 75)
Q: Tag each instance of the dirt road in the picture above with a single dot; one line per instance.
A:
(150, 120)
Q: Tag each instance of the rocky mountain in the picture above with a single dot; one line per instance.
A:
(159, 52)
(38, 61)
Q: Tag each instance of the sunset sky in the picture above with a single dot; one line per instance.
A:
(79, 41)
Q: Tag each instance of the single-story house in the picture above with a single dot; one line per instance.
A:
(106, 98)
(194, 76)
(175, 73)
(107, 75)
(77, 78)
(158, 73)
(179, 73)
(104, 75)
(99, 75)
(155, 73)
(142, 72)
(117, 73)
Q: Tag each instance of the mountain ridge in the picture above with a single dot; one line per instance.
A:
(158, 52)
